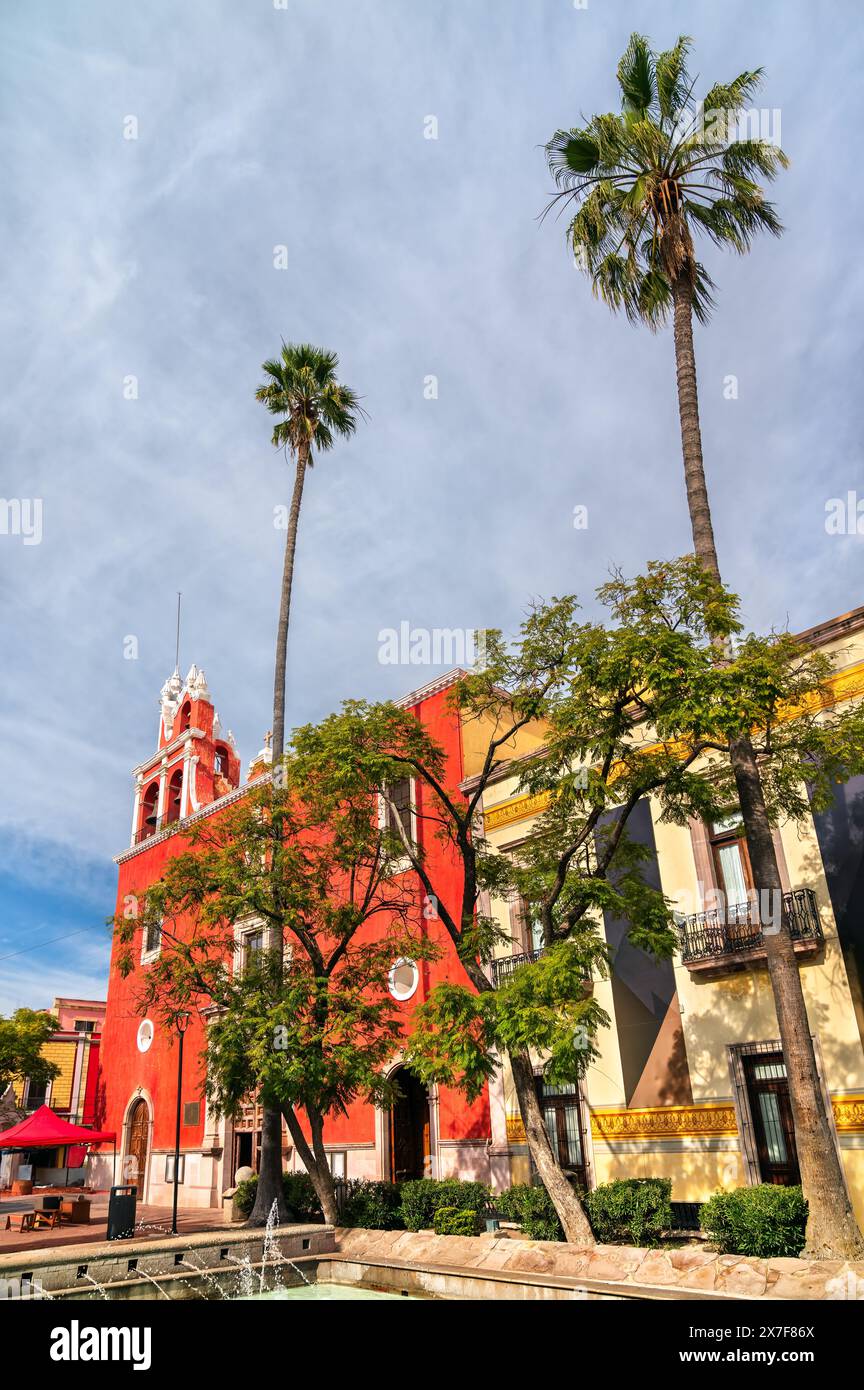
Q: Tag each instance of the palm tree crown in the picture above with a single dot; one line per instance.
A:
(303, 390)
(644, 182)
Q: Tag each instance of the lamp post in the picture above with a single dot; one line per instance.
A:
(181, 1024)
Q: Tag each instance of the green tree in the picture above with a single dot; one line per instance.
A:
(632, 708)
(645, 183)
(306, 1017)
(22, 1038)
(556, 661)
(314, 409)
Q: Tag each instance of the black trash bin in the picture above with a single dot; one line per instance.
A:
(121, 1212)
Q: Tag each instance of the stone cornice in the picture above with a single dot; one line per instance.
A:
(434, 687)
(842, 626)
(845, 684)
(168, 750)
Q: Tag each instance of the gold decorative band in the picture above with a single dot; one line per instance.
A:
(515, 1130)
(848, 1113)
(666, 1122)
(520, 808)
(841, 685)
(687, 1121)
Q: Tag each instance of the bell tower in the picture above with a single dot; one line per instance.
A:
(195, 763)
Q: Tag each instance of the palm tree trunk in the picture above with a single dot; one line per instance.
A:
(691, 433)
(285, 606)
(270, 1173)
(832, 1230)
(571, 1213)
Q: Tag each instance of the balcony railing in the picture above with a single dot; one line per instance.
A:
(146, 833)
(735, 932)
(504, 966)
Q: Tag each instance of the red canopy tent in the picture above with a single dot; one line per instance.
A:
(45, 1130)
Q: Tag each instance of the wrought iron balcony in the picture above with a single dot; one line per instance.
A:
(504, 966)
(733, 935)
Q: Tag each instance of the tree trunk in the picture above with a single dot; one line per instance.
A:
(571, 1213)
(270, 1173)
(285, 606)
(832, 1230)
(691, 434)
(314, 1161)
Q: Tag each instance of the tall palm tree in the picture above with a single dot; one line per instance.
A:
(314, 410)
(642, 185)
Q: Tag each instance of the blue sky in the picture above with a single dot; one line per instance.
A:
(303, 127)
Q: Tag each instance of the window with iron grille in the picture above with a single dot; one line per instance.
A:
(562, 1116)
(151, 942)
(397, 808)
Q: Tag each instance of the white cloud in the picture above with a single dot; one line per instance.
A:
(154, 257)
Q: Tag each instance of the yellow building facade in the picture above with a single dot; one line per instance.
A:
(690, 1082)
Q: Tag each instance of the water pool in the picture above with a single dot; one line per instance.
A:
(348, 1292)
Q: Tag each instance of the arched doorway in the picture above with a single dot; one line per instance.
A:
(410, 1130)
(138, 1137)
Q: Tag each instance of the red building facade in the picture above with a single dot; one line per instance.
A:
(195, 772)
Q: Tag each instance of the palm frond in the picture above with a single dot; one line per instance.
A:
(302, 388)
(643, 185)
(636, 76)
(672, 80)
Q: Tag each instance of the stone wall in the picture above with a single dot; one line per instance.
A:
(616, 1270)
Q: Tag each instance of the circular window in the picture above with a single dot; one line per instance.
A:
(403, 979)
(145, 1035)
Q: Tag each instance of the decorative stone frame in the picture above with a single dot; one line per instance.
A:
(403, 864)
(382, 1128)
(143, 1182)
(154, 952)
(736, 1052)
(706, 870)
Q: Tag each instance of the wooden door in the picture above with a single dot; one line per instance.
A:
(139, 1134)
(410, 1131)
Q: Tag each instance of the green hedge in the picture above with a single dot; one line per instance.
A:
(765, 1221)
(532, 1208)
(457, 1221)
(373, 1205)
(299, 1194)
(377, 1206)
(631, 1211)
(422, 1198)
